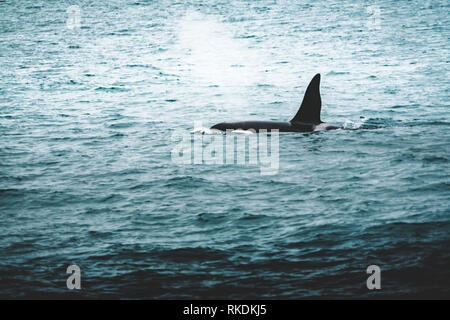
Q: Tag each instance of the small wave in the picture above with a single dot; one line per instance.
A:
(183, 254)
(428, 123)
(111, 198)
(186, 182)
(336, 73)
(138, 65)
(435, 159)
(122, 125)
(112, 89)
(9, 191)
(431, 187)
(155, 121)
(265, 85)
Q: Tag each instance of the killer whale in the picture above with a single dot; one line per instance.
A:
(307, 118)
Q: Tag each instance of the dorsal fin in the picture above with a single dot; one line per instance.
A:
(312, 104)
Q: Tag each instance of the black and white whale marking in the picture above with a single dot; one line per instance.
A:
(307, 118)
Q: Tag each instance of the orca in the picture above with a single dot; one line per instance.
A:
(307, 118)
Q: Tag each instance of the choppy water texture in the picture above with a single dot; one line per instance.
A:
(86, 122)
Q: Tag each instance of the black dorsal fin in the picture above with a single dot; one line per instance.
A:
(312, 103)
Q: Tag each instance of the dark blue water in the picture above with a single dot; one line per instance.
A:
(87, 115)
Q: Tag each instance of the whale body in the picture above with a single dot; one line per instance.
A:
(307, 118)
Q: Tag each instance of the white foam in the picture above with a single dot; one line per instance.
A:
(349, 124)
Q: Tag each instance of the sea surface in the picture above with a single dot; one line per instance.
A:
(93, 95)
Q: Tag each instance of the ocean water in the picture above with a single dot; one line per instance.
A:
(93, 93)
